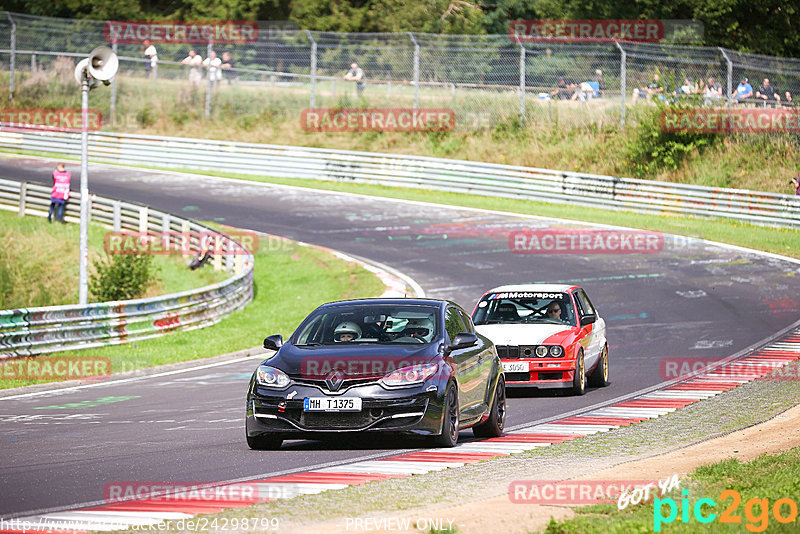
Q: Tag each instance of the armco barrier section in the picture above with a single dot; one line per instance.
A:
(30, 331)
(606, 192)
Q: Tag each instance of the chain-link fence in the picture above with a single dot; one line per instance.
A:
(484, 79)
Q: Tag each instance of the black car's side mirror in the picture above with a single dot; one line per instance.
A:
(588, 319)
(273, 342)
(463, 341)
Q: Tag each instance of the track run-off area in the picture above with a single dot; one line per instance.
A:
(60, 449)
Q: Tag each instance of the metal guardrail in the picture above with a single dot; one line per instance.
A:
(508, 181)
(30, 331)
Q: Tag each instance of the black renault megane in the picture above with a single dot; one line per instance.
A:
(408, 366)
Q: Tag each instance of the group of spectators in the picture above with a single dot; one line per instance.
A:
(212, 64)
(712, 91)
(569, 90)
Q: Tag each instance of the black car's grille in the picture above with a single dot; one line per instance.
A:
(352, 420)
(350, 382)
(507, 352)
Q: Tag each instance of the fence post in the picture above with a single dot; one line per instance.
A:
(416, 70)
(313, 69)
(730, 75)
(117, 218)
(113, 106)
(33, 62)
(208, 76)
(521, 83)
(622, 82)
(23, 194)
(13, 60)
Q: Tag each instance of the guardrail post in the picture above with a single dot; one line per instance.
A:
(229, 250)
(13, 60)
(521, 83)
(622, 82)
(313, 69)
(185, 238)
(113, 106)
(165, 237)
(117, 217)
(23, 193)
(416, 70)
(143, 213)
(217, 253)
(238, 262)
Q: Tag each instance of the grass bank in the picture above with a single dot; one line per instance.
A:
(557, 135)
(288, 284)
(744, 494)
(39, 264)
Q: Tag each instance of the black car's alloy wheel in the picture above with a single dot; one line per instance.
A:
(493, 427)
(449, 435)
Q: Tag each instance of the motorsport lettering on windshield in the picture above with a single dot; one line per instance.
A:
(524, 295)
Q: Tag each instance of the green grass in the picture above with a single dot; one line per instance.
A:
(39, 264)
(288, 284)
(769, 477)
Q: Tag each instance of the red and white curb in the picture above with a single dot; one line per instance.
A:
(127, 514)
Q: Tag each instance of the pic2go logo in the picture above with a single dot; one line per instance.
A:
(756, 511)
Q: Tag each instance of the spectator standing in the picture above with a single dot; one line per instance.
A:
(59, 194)
(767, 92)
(214, 66)
(150, 57)
(598, 77)
(195, 62)
(743, 91)
(227, 65)
(355, 74)
(796, 184)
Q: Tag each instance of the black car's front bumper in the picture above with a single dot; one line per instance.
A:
(415, 410)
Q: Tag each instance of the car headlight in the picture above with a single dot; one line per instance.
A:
(272, 377)
(556, 351)
(409, 376)
(541, 351)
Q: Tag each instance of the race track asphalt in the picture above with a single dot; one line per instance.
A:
(62, 448)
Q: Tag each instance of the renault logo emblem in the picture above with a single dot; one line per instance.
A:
(334, 380)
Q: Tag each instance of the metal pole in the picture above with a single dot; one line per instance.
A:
(521, 84)
(622, 81)
(416, 70)
(13, 61)
(83, 280)
(313, 69)
(113, 109)
(730, 75)
(208, 75)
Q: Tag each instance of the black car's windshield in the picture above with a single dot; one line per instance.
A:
(525, 308)
(374, 323)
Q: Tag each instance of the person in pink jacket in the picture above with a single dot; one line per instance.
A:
(60, 193)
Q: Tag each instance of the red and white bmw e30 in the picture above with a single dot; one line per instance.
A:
(547, 335)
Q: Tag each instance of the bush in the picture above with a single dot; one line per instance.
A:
(121, 277)
(652, 150)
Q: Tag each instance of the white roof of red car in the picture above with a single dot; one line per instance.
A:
(544, 288)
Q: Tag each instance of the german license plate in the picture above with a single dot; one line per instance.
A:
(515, 367)
(332, 404)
